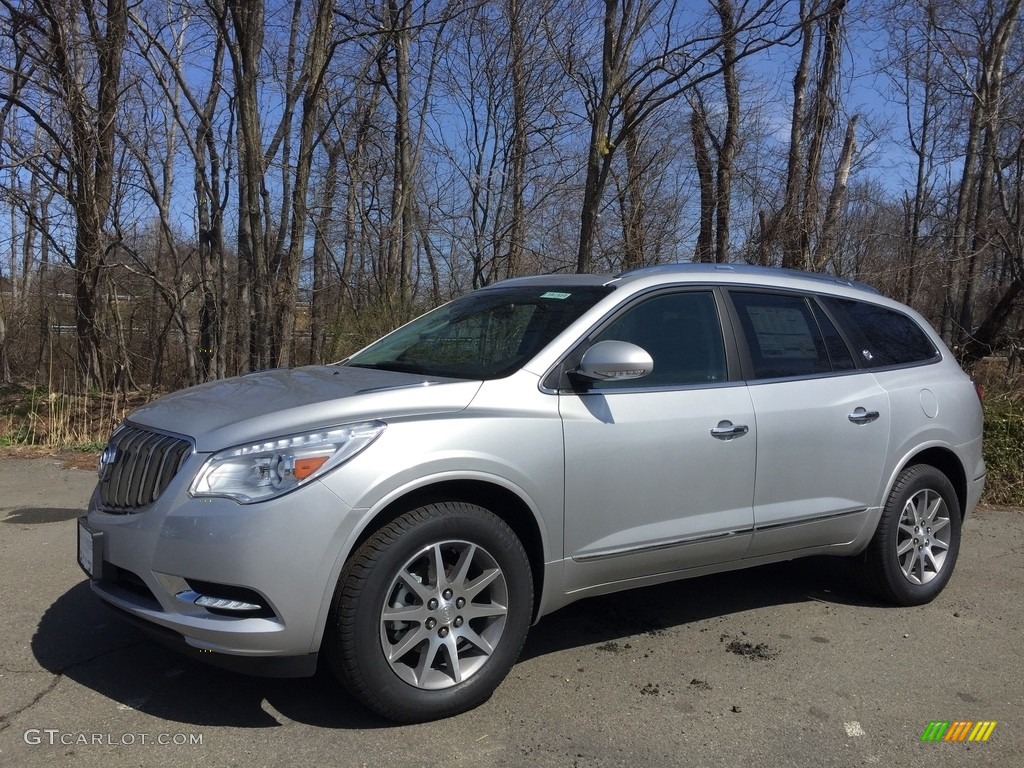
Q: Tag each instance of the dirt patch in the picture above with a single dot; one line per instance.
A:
(69, 459)
(79, 459)
(751, 651)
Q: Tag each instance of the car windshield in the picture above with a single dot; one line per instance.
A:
(483, 335)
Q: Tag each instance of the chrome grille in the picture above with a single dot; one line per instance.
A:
(137, 466)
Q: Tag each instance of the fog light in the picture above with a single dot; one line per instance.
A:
(217, 603)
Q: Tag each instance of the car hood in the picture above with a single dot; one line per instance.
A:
(264, 404)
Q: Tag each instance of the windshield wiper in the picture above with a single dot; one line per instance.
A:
(393, 365)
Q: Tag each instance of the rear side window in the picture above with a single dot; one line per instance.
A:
(785, 336)
(884, 337)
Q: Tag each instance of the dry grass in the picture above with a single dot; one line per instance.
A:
(56, 420)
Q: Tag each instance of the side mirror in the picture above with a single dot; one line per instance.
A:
(614, 361)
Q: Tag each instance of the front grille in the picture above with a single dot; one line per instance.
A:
(137, 466)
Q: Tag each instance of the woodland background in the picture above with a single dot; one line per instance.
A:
(192, 189)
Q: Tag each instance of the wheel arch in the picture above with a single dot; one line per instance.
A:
(949, 464)
(501, 501)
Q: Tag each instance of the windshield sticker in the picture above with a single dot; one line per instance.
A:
(555, 295)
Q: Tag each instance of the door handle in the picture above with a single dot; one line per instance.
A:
(726, 430)
(861, 416)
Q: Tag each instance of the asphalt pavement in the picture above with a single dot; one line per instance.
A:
(782, 665)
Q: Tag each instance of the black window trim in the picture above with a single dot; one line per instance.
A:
(817, 298)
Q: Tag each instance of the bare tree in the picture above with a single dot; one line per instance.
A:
(700, 132)
(981, 161)
(716, 175)
(311, 82)
(793, 225)
(80, 46)
(399, 24)
(506, 94)
(242, 24)
(974, 232)
(649, 57)
(168, 41)
(915, 71)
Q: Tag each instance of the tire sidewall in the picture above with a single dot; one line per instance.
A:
(366, 671)
(912, 481)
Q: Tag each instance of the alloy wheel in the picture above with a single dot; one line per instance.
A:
(444, 614)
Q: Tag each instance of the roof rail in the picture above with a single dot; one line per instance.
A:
(745, 269)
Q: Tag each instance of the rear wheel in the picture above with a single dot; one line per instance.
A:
(915, 547)
(431, 612)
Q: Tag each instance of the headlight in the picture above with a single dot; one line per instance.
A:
(264, 470)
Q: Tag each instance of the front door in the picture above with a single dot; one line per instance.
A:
(659, 471)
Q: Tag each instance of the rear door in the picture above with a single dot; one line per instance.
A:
(822, 424)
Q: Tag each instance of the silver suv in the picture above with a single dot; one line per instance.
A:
(410, 511)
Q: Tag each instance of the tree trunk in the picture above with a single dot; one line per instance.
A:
(520, 143)
(319, 300)
(91, 160)
(247, 24)
(826, 247)
(728, 148)
(705, 181)
(784, 228)
(989, 105)
(821, 124)
(983, 341)
(314, 68)
(402, 240)
(633, 205)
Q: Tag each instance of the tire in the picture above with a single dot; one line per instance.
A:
(912, 555)
(413, 647)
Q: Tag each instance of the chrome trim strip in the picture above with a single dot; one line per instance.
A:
(640, 548)
(661, 545)
(817, 519)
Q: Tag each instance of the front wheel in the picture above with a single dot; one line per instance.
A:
(431, 612)
(915, 547)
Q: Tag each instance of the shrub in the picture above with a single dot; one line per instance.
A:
(1004, 450)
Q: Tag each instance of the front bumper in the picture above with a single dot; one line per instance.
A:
(282, 556)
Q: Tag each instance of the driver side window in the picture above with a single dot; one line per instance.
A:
(680, 331)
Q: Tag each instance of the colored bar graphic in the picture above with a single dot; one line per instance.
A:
(958, 730)
(982, 731)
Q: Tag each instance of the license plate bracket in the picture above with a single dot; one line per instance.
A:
(90, 550)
